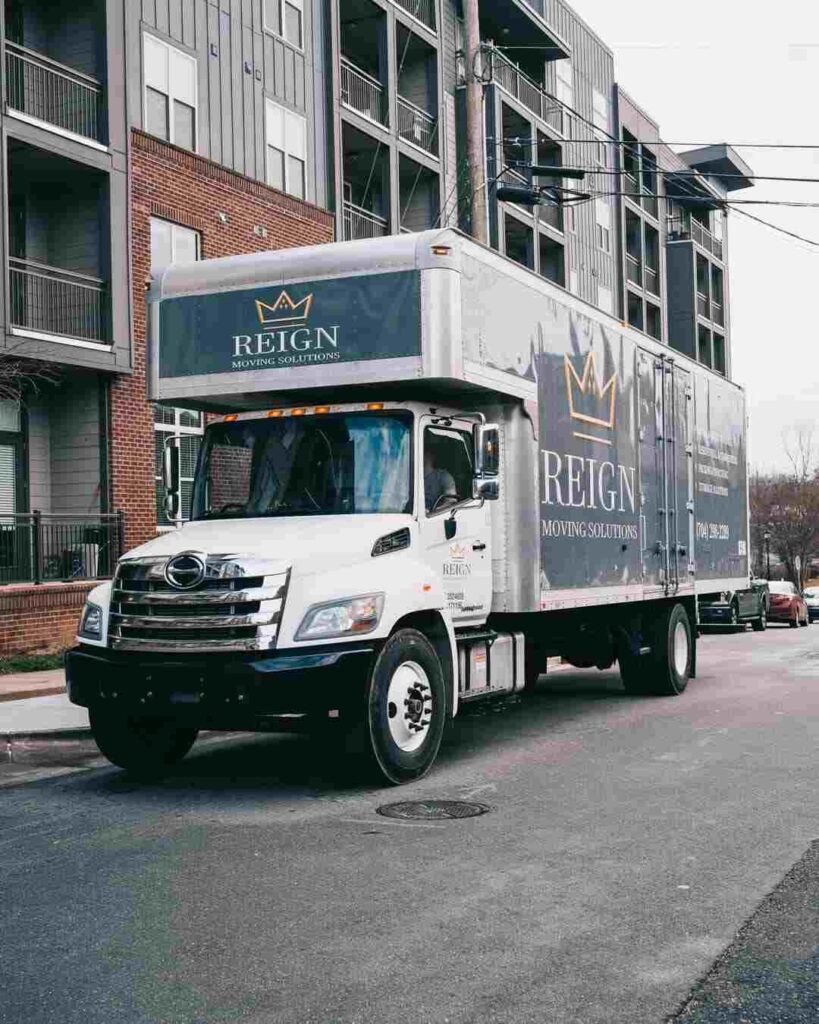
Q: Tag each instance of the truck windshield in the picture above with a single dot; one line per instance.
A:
(336, 464)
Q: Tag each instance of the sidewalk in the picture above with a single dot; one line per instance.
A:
(35, 705)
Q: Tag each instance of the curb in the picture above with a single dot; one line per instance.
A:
(50, 691)
(48, 735)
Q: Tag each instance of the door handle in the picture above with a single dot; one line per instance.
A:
(480, 546)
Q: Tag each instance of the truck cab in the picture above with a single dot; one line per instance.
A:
(325, 542)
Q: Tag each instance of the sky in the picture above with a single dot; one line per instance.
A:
(709, 72)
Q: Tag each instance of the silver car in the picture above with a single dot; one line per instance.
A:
(811, 596)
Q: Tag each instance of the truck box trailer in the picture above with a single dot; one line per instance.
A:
(426, 470)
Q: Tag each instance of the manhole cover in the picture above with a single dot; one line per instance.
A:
(433, 810)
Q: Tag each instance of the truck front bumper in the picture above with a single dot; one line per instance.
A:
(222, 691)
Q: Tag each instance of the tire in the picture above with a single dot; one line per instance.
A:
(665, 671)
(144, 747)
(794, 621)
(761, 624)
(804, 621)
(403, 738)
(733, 622)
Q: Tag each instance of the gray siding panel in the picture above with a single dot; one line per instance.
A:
(74, 443)
(39, 456)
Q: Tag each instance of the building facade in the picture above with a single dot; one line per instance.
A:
(141, 132)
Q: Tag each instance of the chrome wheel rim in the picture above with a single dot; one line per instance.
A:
(410, 706)
(680, 646)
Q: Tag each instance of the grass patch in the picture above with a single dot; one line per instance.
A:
(30, 663)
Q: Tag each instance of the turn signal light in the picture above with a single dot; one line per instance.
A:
(441, 250)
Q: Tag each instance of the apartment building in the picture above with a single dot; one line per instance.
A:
(133, 134)
(139, 132)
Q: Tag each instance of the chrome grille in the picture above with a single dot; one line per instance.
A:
(236, 607)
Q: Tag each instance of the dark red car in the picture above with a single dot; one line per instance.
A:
(787, 604)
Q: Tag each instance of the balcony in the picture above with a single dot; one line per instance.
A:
(42, 88)
(421, 10)
(51, 300)
(363, 93)
(38, 547)
(679, 231)
(526, 91)
(361, 223)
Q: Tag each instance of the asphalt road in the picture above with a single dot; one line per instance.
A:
(628, 841)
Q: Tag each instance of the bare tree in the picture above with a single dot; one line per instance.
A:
(20, 376)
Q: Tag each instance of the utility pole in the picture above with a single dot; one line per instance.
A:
(475, 147)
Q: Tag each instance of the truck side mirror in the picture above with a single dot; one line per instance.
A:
(487, 461)
(170, 478)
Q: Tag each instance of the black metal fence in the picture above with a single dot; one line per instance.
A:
(39, 547)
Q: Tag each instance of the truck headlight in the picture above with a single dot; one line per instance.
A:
(341, 618)
(91, 621)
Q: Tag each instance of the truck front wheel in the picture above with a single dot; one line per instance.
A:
(144, 747)
(665, 670)
(406, 707)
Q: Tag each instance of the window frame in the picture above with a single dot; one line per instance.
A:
(288, 153)
(426, 427)
(170, 95)
(282, 34)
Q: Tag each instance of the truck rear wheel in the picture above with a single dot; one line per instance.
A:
(406, 707)
(666, 669)
(144, 747)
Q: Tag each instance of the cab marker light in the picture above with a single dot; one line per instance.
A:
(297, 412)
(441, 250)
(232, 417)
(319, 409)
(375, 406)
(274, 414)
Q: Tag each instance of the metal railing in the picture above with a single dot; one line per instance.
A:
(40, 547)
(518, 84)
(41, 87)
(634, 270)
(361, 223)
(422, 10)
(363, 93)
(702, 304)
(57, 301)
(417, 126)
(702, 236)
(652, 280)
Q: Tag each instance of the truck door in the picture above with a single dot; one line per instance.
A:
(460, 552)
(665, 410)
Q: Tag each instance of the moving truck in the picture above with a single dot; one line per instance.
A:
(425, 471)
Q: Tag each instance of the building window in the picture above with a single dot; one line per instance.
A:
(286, 134)
(170, 93)
(172, 243)
(285, 18)
(603, 226)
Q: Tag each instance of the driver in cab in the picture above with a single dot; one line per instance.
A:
(440, 489)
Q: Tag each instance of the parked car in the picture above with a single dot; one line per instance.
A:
(787, 604)
(811, 596)
(735, 608)
(760, 585)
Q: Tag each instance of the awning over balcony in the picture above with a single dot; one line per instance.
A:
(517, 23)
(723, 163)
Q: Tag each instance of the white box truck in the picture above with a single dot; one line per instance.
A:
(425, 471)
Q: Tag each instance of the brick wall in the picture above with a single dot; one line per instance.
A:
(40, 618)
(189, 190)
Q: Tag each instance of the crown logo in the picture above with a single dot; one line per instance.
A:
(589, 384)
(284, 312)
(457, 552)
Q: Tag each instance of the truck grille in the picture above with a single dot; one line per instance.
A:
(236, 607)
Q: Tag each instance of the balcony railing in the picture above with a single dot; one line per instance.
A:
(361, 223)
(634, 270)
(422, 10)
(512, 80)
(702, 304)
(417, 126)
(363, 93)
(652, 280)
(38, 86)
(56, 301)
(681, 230)
(36, 547)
